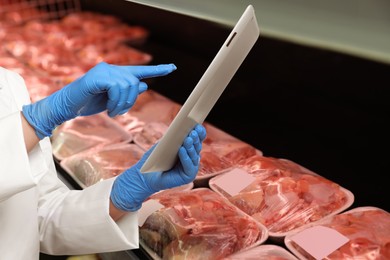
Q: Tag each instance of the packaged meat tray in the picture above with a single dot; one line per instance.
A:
(220, 153)
(101, 163)
(73, 44)
(85, 132)
(149, 134)
(359, 233)
(281, 194)
(153, 107)
(198, 224)
(263, 252)
(37, 85)
(129, 122)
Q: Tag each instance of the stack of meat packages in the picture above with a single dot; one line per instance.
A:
(51, 53)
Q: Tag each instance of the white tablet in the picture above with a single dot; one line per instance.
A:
(206, 93)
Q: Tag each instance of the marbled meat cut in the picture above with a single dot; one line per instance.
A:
(368, 230)
(149, 135)
(84, 132)
(198, 224)
(285, 195)
(103, 162)
(221, 152)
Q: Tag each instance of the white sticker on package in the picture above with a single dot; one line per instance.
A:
(234, 181)
(320, 241)
(147, 209)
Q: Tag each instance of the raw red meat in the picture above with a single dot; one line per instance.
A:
(81, 133)
(149, 135)
(102, 163)
(198, 224)
(285, 195)
(154, 107)
(263, 252)
(221, 152)
(368, 230)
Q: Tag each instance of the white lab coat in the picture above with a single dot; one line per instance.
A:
(38, 213)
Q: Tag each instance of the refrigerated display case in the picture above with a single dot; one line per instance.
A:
(322, 108)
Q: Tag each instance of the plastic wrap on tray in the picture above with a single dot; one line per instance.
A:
(149, 134)
(75, 43)
(281, 194)
(120, 54)
(129, 123)
(366, 231)
(220, 153)
(154, 107)
(37, 85)
(198, 224)
(263, 252)
(101, 163)
(85, 132)
(48, 57)
(85, 28)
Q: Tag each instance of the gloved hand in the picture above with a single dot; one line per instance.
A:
(132, 187)
(104, 87)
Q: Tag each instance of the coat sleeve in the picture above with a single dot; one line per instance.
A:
(78, 221)
(15, 175)
(70, 221)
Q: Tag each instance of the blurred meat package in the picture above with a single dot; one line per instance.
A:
(85, 132)
(198, 224)
(71, 46)
(129, 123)
(100, 163)
(360, 233)
(220, 153)
(281, 194)
(154, 107)
(149, 134)
(38, 86)
(263, 252)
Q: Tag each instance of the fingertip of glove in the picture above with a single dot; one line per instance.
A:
(142, 88)
(168, 68)
(201, 130)
(188, 142)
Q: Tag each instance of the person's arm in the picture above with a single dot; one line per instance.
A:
(115, 213)
(31, 140)
(30, 137)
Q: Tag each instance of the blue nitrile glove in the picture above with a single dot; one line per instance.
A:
(104, 87)
(132, 187)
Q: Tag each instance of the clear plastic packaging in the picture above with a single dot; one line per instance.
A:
(220, 153)
(281, 194)
(100, 163)
(74, 41)
(154, 107)
(149, 134)
(263, 252)
(198, 224)
(82, 133)
(367, 230)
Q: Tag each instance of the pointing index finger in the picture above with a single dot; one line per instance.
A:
(142, 72)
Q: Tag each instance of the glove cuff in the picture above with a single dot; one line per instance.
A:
(118, 203)
(129, 191)
(29, 112)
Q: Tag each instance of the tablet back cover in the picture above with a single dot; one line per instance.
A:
(206, 93)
